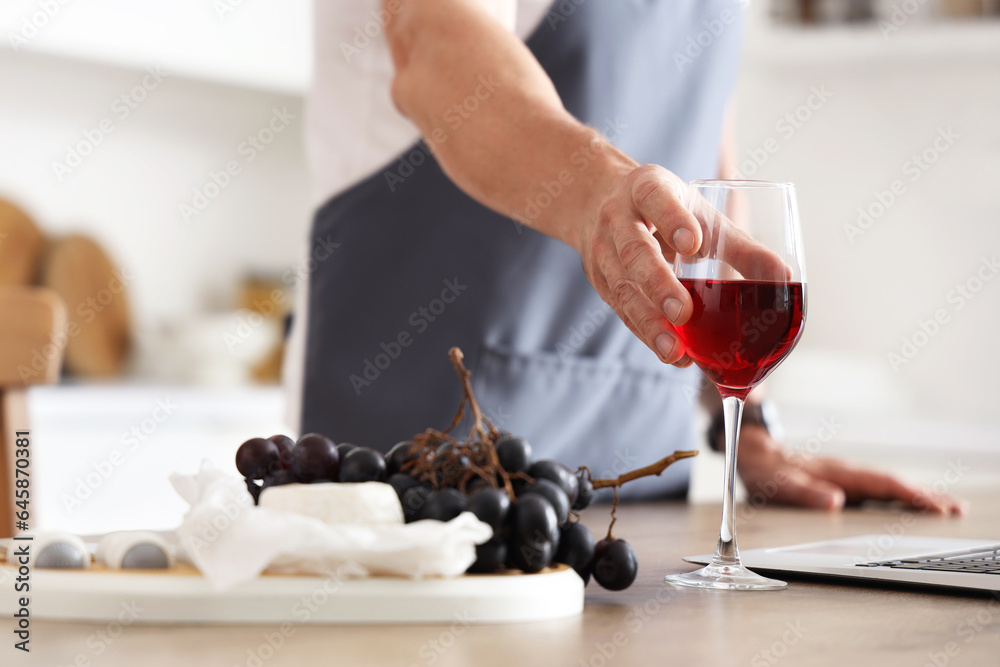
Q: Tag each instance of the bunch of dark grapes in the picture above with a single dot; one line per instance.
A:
(532, 505)
(278, 460)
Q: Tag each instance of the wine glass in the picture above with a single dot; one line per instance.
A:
(747, 283)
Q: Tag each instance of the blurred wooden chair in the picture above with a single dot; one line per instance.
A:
(32, 320)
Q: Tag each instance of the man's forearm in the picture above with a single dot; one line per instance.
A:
(494, 120)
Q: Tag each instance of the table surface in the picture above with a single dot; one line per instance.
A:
(810, 623)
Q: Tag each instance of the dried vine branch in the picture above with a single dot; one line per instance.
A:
(654, 469)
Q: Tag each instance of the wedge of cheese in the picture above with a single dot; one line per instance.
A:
(336, 503)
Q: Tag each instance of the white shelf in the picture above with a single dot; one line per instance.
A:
(258, 45)
(966, 42)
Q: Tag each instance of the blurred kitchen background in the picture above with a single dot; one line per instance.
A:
(119, 121)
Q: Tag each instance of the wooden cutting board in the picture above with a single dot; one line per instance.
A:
(182, 596)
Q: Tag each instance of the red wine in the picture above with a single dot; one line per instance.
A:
(741, 330)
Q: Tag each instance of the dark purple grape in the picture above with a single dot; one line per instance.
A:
(345, 448)
(551, 492)
(490, 506)
(490, 556)
(530, 558)
(414, 500)
(576, 549)
(256, 457)
(444, 505)
(402, 483)
(585, 494)
(514, 454)
(535, 521)
(614, 565)
(315, 458)
(397, 456)
(362, 465)
(558, 473)
(285, 446)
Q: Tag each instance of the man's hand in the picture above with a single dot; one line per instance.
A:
(627, 248)
(784, 477)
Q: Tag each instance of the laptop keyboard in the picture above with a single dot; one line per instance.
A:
(980, 562)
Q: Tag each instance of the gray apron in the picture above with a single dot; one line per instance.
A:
(421, 267)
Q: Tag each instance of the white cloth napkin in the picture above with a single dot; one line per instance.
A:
(231, 541)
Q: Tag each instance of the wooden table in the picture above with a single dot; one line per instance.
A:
(810, 623)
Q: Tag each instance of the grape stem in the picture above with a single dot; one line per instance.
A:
(646, 471)
(464, 375)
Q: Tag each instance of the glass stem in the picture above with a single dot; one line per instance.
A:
(726, 552)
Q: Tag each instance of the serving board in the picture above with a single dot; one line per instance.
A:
(181, 595)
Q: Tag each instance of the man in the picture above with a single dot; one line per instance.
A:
(560, 134)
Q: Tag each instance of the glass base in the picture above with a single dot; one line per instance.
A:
(732, 577)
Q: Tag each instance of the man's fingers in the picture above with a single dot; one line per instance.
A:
(727, 241)
(867, 485)
(641, 256)
(645, 320)
(801, 488)
(658, 198)
(750, 257)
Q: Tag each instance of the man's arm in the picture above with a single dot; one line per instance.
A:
(520, 138)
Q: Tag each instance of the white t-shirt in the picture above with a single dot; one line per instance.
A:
(352, 127)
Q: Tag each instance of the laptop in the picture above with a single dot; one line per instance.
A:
(926, 561)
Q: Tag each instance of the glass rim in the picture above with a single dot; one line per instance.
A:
(740, 183)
